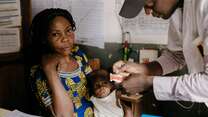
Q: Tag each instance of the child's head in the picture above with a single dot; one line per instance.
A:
(99, 83)
(52, 31)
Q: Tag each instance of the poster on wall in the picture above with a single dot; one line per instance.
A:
(10, 40)
(89, 17)
(144, 29)
(98, 22)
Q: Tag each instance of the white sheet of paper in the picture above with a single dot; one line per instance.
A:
(39, 5)
(17, 113)
(147, 29)
(10, 13)
(112, 26)
(147, 55)
(143, 28)
(89, 17)
(10, 22)
(9, 40)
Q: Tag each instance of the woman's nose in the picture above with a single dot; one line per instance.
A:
(65, 37)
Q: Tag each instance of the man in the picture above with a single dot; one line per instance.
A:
(188, 30)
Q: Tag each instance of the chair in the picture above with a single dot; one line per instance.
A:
(94, 63)
(135, 103)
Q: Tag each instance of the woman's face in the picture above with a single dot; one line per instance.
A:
(161, 8)
(61, 36)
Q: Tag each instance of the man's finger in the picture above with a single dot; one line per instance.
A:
(117, 66)
(124, 68)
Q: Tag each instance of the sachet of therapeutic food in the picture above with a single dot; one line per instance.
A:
(118, 77)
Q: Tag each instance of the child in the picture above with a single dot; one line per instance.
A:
(105, 96)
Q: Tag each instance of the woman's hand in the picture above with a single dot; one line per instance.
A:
(50, 64)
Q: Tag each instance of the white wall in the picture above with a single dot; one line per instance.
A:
(112, 28)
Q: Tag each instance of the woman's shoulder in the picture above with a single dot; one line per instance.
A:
(79, 54)
(77, 51)
(36, 71)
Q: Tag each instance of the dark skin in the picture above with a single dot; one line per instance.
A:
(141, 78)
(162, 8)
(103, 87)
(61, 40)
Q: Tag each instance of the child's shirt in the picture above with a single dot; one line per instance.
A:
(107, 107)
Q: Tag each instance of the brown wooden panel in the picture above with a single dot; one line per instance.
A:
(13, 92)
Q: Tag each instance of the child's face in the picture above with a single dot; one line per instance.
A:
(102, 88)
(61, 36)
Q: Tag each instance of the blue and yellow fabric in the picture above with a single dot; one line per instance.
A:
(74, 83)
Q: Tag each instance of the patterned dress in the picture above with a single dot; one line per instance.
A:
(74, 83)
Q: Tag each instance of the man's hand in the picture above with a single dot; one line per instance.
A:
(137, 83)
(129, 67)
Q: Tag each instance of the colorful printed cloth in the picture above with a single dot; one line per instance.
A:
(74, 83)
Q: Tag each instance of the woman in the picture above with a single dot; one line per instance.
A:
(59, 78)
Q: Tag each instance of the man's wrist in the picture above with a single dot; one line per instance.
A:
(154, 68)
(150, 80)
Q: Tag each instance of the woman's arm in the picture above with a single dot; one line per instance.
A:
(62, 103)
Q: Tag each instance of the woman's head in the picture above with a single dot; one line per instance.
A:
(52, 31)
(99, 83)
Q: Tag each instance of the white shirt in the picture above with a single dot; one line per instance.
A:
(188, 28)
(107, 107)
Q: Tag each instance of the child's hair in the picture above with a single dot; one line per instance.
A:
(40, 28)
(97, 75)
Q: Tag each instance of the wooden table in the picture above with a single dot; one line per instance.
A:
(135, 103)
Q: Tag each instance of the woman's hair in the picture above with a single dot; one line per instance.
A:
(95, 76)
(40, 28)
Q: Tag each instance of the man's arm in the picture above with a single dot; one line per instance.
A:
(172, 59)
(191, 87)
(154, 68)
